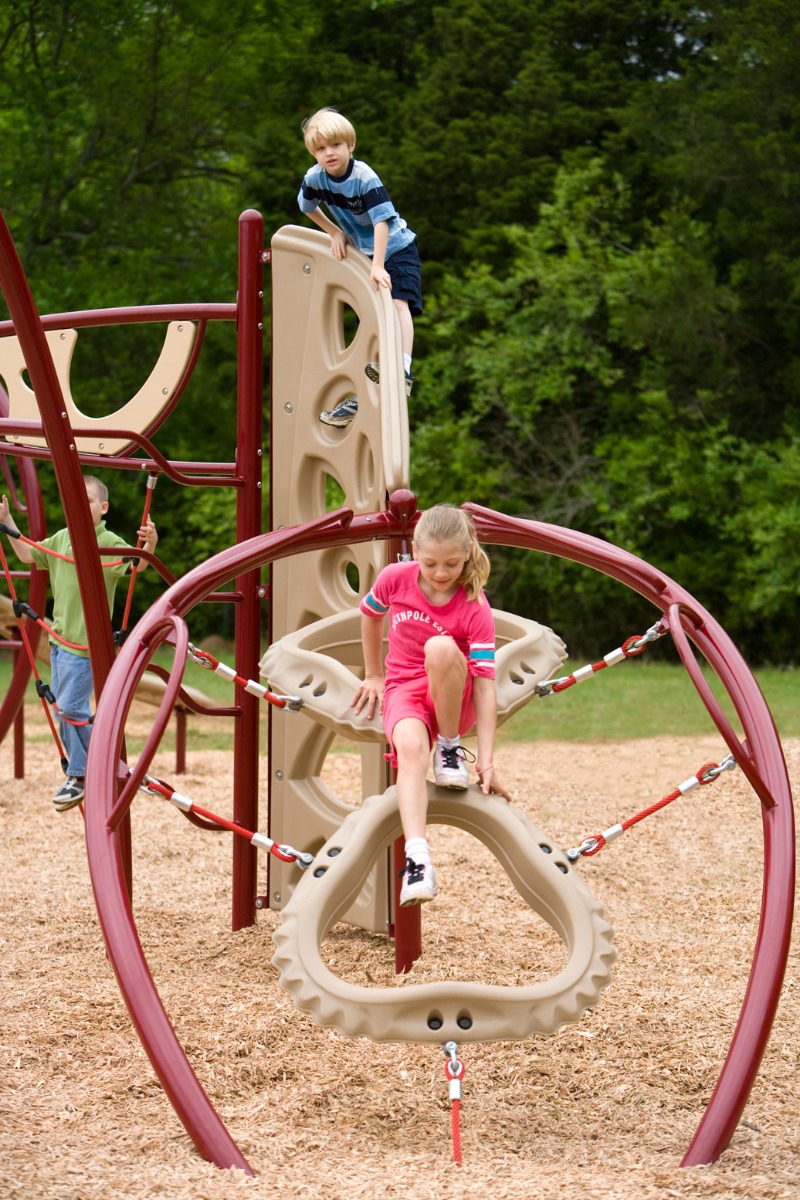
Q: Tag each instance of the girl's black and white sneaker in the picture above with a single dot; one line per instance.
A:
(450, 768)
(69, 794)
(419, 883)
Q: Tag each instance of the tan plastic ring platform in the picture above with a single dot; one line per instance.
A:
(440, 1012)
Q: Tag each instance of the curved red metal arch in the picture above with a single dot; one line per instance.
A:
(37, 594)
(760, 753)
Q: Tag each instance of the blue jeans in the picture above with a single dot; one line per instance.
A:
(71, 683)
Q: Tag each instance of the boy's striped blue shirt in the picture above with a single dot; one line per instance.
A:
(357, 201)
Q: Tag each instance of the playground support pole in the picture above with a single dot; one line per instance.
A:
(406, 925)
(69, 476)
(19, 731)
(249, 461)
(180, 741)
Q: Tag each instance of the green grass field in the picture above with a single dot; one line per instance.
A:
(640, 699)
(634, 699)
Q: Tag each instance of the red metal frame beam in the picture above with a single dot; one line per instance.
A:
(11, 707)
(762, 747)
(249, 463)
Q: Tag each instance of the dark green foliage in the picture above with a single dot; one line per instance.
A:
(606, 200)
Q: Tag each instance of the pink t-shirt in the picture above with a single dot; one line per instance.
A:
(413, 619)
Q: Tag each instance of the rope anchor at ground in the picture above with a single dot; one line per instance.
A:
(454, 1072)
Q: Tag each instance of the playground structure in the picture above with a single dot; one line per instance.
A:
(360, 527)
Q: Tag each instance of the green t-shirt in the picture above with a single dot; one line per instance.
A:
(67, 620)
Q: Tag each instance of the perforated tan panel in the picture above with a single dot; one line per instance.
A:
(438, 1012)
(316, 468)
(137, 414)
(314, 663)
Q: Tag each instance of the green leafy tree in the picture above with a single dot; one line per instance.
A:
(569, 391)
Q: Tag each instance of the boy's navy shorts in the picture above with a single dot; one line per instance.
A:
(405, 271)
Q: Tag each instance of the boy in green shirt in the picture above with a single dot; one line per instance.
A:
(71, 671)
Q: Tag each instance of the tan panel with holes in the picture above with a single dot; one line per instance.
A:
(137, 414)
(441, 1011)
(327, 323)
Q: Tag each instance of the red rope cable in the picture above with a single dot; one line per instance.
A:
(168, 792)
(213, 663)
(116, 562)
(570, 680)
(702, 776)
(654, 808)
(31, 657)
(148, 499)
(456, 1121)
(454, 1071)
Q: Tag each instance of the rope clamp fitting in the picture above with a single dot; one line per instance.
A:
(454, 1070)
(455, 1064)
(727, 764)
(302, 858)
(587, 846)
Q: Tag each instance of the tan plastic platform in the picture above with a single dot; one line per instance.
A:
(138, 414)
(439, 1012)
(322, 663)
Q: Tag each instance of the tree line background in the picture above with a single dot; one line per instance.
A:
(607, 200)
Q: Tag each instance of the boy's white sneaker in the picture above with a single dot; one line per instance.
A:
(450, 768)
(419, 883)
(69, 794)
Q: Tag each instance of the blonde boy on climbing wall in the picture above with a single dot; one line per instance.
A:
(364, 215)
(71, 670)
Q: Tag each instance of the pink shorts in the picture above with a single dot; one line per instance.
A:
(413, 699)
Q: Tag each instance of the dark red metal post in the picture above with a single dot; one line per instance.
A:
(180, 741)
(406, 928)
(12, 704)
(66, 464)
(249, 463)
(19, 729)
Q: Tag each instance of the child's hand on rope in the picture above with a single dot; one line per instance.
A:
(148, 536)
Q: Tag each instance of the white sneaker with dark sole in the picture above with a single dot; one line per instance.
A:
(69, 794)
(450, 768)
(419, 884)
(372, 371)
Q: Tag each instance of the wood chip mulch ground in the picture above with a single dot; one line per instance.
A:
(604, 1108)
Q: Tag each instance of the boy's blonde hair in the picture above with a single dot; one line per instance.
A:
(446, 523)
(99, 488)
(327, 125)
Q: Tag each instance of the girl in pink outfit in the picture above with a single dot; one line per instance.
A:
(439, 674)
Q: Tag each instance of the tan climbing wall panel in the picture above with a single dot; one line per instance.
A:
(138, 414)
(327, 323)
